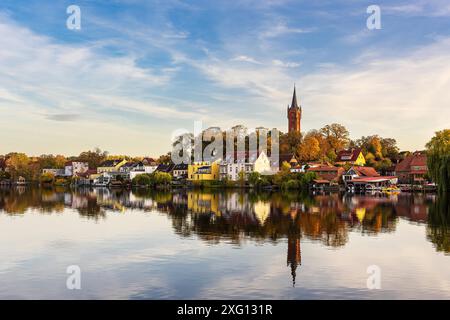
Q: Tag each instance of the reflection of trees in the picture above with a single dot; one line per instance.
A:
(438, 229)
(236, 216)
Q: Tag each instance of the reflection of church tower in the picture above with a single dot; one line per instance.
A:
(294, 257)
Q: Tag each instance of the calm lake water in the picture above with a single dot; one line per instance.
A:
(221, 245)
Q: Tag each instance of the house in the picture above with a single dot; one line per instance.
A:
(327, 174)
(203, 171)
(372, 183)
(302, 168)
(55, 172)
(72, 168)
(21, 181)
(86, 178)
(165, 167)
(413, 169)
(180, 171)
(149, 162)
(128, 167)
(231, 167)
(359, 172)
(141, 168)
(111, 165)
(352, 156)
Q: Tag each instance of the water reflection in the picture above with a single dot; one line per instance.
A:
(236, 217)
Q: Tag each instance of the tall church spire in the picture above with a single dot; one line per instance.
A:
(294, 114)
(294, 103)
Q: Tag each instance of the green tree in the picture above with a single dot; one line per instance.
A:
(438, 155)
(253, 178)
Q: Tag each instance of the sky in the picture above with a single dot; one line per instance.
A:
(138, 71)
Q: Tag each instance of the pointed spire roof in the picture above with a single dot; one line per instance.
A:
(294, 103)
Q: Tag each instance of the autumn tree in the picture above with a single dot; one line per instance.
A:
(94, 157)
(309, 149)
(336, 137)
(18, 165)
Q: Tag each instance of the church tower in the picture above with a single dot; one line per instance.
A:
(294, 114)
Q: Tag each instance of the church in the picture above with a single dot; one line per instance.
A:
(294, 114)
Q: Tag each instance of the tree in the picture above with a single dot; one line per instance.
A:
(290, 142)
(47, 178)
(336, 136)
(438, 159)
(241, 178)
(253, 178)
(18, 165)
(94, 157)
(309, 149)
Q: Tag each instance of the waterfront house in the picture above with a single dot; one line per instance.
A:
(352, 156)
(128, 167)
(141, 168)
(327, 174)
(204, 171)
(412, 169)
(359, 172)
(165, 167)
(72, 168)
(111, 165)
(180, 171)
(247, 163)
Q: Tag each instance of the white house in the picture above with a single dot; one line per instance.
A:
(141, 168)
(75, 167)
(231, 167)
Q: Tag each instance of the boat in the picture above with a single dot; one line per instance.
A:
(391, 190)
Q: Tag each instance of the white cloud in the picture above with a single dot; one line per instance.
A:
(245, 59)
(280, 63)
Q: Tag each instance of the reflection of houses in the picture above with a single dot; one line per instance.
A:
(203, 203)
(412, 169)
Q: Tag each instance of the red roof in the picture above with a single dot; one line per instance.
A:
(348, 155)
(324, 168)
(415, 163)
(371, 179)
(366, 171)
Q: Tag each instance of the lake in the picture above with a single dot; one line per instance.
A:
(145, 244)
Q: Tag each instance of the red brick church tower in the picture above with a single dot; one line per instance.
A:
(294, 114)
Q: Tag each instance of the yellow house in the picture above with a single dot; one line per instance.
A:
(111, 165)
(352, 156)
(203, 171)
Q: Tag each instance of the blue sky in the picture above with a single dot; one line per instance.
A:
(139, 70)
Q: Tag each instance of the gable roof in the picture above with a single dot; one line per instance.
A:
(365, 171)
(348, 155)
(110, 163)
(165, 167)
(417, 159)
